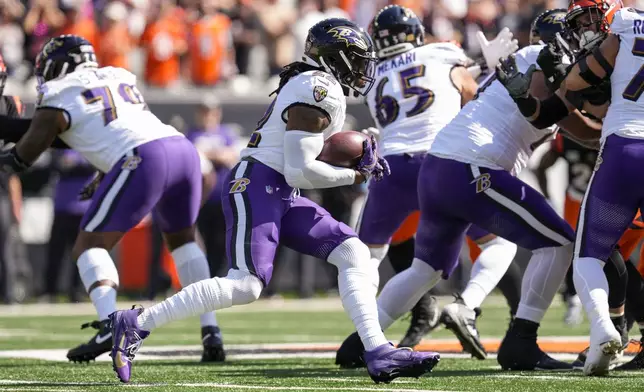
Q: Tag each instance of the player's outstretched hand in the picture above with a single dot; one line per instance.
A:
(87, 192)
(500, 47)
(517, 84)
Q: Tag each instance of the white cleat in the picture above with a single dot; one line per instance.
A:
(600, 356)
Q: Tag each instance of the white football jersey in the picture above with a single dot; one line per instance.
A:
(106, 114)
(625, 113)
(490, 131)
(414, 97)
(312, 88)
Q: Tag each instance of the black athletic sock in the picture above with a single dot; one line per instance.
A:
(569, 290)
(615, 270)
(401, 255)
(525, 327)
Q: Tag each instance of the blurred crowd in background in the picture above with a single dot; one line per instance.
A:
(178, 43)
(230, 47)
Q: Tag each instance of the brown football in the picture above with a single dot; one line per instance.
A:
(343, 149)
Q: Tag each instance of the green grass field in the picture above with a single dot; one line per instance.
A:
(53, 329)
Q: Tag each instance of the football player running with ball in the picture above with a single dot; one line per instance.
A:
(263, 207)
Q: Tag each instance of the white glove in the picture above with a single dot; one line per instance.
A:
(371, 131)
(500, 47)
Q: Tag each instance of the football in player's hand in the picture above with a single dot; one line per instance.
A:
(343, 149)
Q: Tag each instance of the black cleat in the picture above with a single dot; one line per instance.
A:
(519, 350)
(424, 319)
(461, 320)
(213, 345)
(101, 343)
(637, 363)
(350, 353)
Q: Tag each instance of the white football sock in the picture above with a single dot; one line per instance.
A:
(592, 288)
(542, 279)
(358, 290)
(377, 256)
(104, 300)
(95, 265)
(488, 269)
(192, 266)
(237, 288)
(404, 290)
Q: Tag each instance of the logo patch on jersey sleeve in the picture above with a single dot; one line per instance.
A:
(319, 93)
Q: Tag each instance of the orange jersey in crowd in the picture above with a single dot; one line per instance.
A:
(115, 45)
(210, 42)
(160, 40)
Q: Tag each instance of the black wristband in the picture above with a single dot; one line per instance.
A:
(527, 106)
(551, 112)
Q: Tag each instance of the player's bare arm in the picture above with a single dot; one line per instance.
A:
(45, 126)
(465, 84)
(308, 119)
(43, 130)
(12, 129)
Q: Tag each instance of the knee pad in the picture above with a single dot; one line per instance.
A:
(95, 265)
(352, 253)
(245, 287)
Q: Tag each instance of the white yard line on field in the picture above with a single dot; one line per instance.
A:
(235, 352)
(207, 385)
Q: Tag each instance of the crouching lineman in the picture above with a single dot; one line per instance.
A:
(149, 166)
(263, 207)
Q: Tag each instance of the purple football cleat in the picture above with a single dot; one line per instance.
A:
(385, 363)
(127, 338)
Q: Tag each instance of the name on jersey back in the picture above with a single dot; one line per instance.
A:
(396, 62)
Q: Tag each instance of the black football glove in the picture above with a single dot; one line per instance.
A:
(517, 84)
(550, 61)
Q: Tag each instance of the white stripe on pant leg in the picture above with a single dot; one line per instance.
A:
(240, 225)
(104, 208)
(521, 212)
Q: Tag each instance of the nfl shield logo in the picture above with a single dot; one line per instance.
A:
(319, 93)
